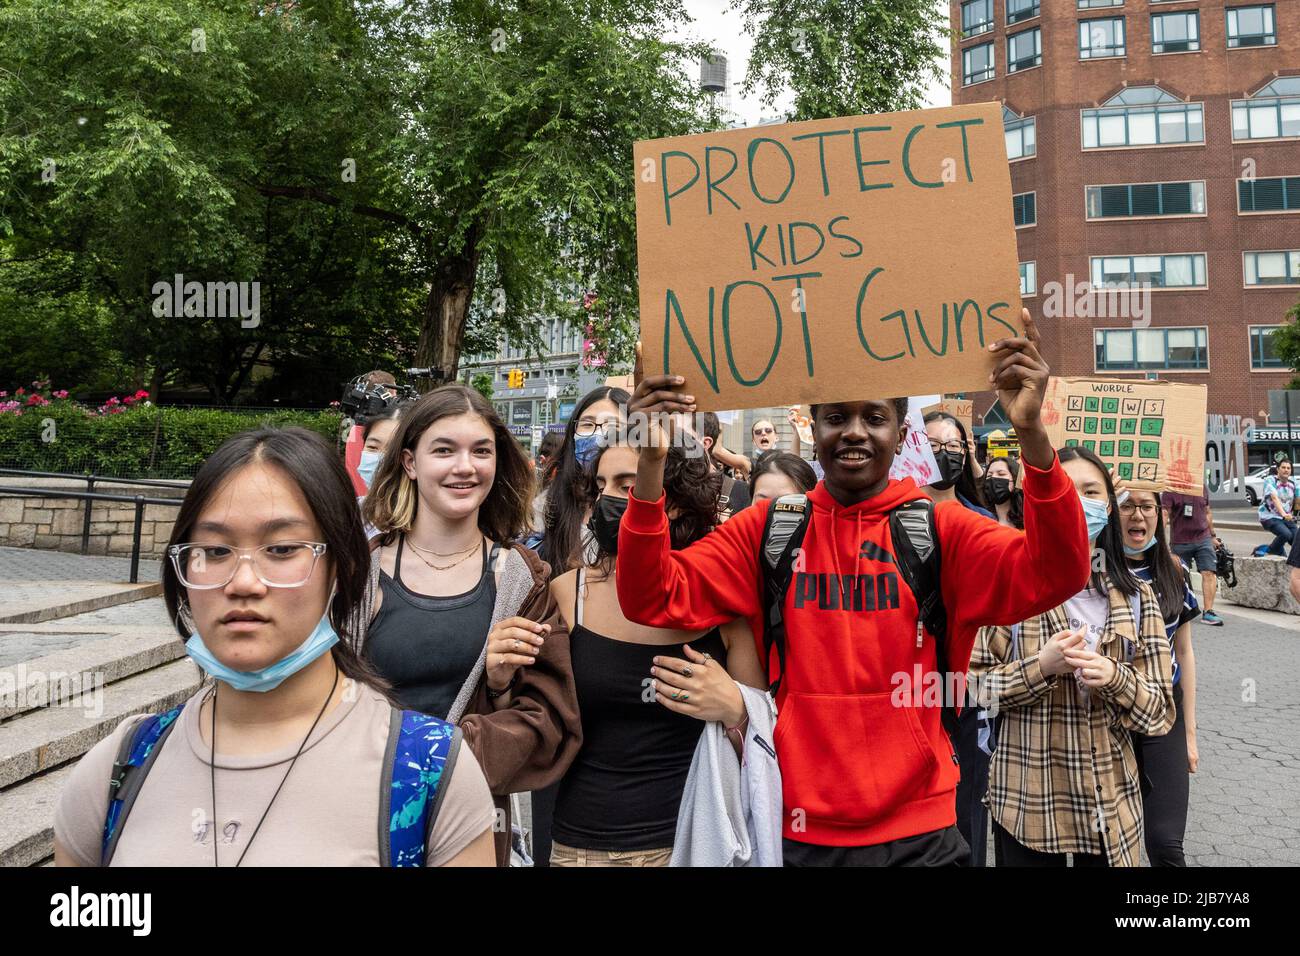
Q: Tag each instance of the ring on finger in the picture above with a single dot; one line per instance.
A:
(687, 672)
(676, 695)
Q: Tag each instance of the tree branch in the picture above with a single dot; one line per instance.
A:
(316, 194)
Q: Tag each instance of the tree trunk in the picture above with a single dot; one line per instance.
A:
(445, 313)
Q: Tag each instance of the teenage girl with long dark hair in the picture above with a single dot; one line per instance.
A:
(1070, 689)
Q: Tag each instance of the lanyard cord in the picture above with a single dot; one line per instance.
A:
(212, 765)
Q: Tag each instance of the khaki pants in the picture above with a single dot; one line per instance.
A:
(562, 855)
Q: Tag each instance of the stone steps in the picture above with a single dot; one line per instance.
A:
(39, 740)
(27, 603)
(29, 685)
(27, 823)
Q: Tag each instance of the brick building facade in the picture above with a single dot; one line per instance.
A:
(1184, 118)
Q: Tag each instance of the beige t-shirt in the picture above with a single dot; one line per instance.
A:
(326, 815)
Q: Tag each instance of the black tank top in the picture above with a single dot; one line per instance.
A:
(625, 786)
(426, 646)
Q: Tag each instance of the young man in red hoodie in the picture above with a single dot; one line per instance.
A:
(869, 775)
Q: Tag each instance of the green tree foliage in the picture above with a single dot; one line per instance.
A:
(403, 180)
(1286, 343)
(845, 57)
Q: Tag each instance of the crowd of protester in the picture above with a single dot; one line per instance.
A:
(682, 654)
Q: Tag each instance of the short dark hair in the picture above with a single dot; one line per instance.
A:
(710, 427)
(900, 408)
(380, 377)
(315, 468)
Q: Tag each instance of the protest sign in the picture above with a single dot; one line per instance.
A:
(1151, 434)
(1225, 457)
(962, 409)
(916, 460)
(834, 260)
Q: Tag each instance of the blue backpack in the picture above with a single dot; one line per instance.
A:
(420, 755)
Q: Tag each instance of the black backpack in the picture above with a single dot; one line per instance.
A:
(916, 545)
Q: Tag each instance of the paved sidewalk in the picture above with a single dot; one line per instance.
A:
(29, 564)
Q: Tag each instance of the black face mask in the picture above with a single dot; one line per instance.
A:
(997, 490)
(605, 520)
(950, 466)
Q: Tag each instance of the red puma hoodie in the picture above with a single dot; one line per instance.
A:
(862, 760)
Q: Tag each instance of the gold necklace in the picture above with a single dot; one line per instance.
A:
(448, 567)
(449, 554)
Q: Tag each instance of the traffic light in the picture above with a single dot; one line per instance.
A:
(516, 378)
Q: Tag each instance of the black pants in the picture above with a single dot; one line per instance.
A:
(938, 848)
(1162, 762)
(972, 815)
(543, 810)
(1011, 852)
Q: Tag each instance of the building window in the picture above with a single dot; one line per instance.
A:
(1018, 10)
(1094, 4)
(976, 17)
(1174, 271)
(1137, 349)
(1101, 38)
(1022, 135)
(1279, 194)
(1251, 26)
(1272, 268)
(1261, 347)
(1146, 199)
(1143, 116)
(1025, 212)
(977, 64)
(1271, 113)
(1028, 279)
(1025, 50)
(1175, 32)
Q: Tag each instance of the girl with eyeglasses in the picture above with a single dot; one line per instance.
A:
(565, 541)
(457, 616)
(1070, 689)
(1165, 760)
(282, 758)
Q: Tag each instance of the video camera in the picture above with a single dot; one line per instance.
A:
(364, 400)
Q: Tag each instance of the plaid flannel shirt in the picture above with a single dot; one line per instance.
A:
(1064, 777)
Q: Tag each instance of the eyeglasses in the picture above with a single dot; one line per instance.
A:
(954, 446)
(285, 564)
(1148, 508)
(587, 427)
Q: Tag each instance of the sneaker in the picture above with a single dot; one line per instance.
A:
(1209, 617)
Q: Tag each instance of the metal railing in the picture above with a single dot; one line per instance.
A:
(89, 496)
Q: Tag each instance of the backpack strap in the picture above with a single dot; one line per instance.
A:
(724, 495)
(419, 758)
(916, 548)
(134, 760)
(783, 533)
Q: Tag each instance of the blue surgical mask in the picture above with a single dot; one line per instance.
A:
(1134, 552)
(1095, 513)
(585, 448)
(271, 677)
(368, 465)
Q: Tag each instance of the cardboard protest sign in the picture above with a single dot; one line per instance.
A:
(962, 409)
(1151, 434)
(916, 460)
(834, 260)
(1225, 457)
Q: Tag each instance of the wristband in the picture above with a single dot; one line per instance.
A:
(494, 694)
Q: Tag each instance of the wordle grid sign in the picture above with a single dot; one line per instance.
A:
(1151, 434)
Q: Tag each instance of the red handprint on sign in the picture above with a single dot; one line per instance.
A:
(1180, 476)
